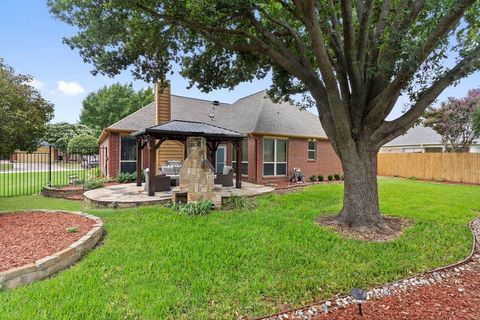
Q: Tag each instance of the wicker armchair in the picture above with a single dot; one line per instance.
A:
(162, 182)
(225, 178)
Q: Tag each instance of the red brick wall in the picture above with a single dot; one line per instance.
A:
(326, 161)
(113, 154)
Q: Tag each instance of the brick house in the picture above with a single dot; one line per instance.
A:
(280, 137)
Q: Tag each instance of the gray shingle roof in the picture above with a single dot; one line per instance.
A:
(417, 135)
(254, 113)
(191, 128)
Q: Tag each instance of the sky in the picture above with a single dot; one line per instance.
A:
(31, 43)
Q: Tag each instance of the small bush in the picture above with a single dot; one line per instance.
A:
(313, 178)
(240, 203)
(200, 208)
(336, 176)
(94, 184)
(125, 177)
(343, 177)
(72, 229)
(320, 178)
(330, 177)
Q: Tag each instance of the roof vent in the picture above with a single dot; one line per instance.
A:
(216, 102)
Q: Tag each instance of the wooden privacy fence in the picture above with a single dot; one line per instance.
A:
(457, 167)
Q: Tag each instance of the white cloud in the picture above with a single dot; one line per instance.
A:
(69, 88)
(37, 84)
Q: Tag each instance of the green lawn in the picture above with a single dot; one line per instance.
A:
(155, 263)
(24, 183)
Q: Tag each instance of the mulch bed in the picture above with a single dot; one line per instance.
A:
(28, 236)
(397, 225)
(456, 298)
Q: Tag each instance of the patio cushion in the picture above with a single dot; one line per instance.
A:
(227, 169)
(168, 170)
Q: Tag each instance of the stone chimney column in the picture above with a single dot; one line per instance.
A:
(163, 104)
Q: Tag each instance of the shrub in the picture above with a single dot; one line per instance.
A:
(199, 208)
(72, 229)
(336, 176)
(94, 184)
(83, 144)
(239, 203)
(313, 178)
(330, 177)
(320, 178)
(125, 177)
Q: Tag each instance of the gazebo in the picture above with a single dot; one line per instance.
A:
(180, 130)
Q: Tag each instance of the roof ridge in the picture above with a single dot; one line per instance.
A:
(179, 96)
(252, 94)
(199, 122)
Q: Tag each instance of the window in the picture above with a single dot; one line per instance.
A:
(312, 150)
(128, 154)
(244, 164)
(274, 157)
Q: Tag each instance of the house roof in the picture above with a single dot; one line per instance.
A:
(416, 136)
(252, 114)
(183, 129)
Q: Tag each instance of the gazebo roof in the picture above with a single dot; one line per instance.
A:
(179, 129)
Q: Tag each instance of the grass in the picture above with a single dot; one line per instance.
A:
(25, 183)
(6, 166)
(155, 263)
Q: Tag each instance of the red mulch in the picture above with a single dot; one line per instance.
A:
(456, 298)
(28, 236)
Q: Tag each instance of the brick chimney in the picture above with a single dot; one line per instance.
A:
(163, 104)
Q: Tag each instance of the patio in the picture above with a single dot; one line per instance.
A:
(130, 195)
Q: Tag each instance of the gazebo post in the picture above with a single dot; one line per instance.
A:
(139, 161)
(238, 175)
(152, 166)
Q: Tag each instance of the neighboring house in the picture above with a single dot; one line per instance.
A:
(420, 139)
(280, 136)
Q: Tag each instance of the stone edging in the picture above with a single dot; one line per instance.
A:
(436, 275)
(44, 267)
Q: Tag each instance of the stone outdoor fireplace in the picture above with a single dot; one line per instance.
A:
(196, 180)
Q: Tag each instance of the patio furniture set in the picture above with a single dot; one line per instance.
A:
(170, 173)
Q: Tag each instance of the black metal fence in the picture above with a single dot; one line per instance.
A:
(24, 173)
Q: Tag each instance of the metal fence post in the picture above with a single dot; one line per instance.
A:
(50, 165)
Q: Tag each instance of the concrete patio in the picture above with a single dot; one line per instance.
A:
(130, 195)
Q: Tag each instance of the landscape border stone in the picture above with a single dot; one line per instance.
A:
(46, 266)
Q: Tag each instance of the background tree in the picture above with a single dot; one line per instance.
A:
(83, 144)
(110, 104)
(59, 134)
(475, 96)
(350, 59)
(24, 114)
(453, 121)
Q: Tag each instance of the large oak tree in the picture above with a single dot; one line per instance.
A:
(350, 59)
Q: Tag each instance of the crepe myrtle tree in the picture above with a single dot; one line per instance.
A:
(454, 121)
(349, 59)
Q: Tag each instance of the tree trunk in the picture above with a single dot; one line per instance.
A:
(360, 202)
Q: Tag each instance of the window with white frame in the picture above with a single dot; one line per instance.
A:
(244, 164)
(274, 157)
(312, 149)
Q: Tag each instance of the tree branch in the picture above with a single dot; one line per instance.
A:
(389, 130)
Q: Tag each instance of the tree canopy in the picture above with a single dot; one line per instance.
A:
(475, 97)
(349, 59)
(110, 104)
(453, 121)
(59, 134)
(24, 113)
(83, 144)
